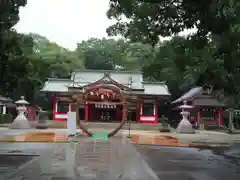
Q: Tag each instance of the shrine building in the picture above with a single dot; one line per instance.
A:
(206, 109)
(103, 95)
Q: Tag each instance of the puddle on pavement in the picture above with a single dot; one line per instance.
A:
(229, 152)
(37, 137)
(14, 161)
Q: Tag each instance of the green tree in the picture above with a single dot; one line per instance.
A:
(182, 65)
(61, 62)
(99, 53)
(13, 63)
(213, 54)
(112, 54)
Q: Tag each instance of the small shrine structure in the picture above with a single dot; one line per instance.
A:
(206, 108)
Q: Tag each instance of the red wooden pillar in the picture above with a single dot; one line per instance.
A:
(90, 115)
(54, 107)
(93, 112)
(139, 112)
(118, 114)
(198, 117)
(86, 111)
(123, 112)
(220, 117)
(156, 112)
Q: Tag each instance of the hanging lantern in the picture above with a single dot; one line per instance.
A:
(102, 96)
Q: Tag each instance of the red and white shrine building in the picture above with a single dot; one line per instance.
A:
(97, 107)
(206, 109)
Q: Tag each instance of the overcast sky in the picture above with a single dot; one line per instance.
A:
(65, 22)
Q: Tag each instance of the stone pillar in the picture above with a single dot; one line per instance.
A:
(4, 109)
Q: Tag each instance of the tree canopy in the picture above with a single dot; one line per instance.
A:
(208, 56)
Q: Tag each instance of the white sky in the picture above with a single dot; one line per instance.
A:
(65, 22)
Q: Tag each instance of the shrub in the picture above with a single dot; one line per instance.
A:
(6, 118)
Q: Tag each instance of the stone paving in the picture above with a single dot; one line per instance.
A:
(86, 159)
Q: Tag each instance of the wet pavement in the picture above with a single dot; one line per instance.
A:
(86, 160)
(170, 163)
(33, 155)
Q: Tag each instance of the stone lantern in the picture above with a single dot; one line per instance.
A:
(185, 126)
(21, 122)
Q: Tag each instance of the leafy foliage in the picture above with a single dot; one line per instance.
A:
(208, 56)
(110, 54)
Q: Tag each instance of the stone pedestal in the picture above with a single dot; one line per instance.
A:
(185, 127)
(41, 120)
(201, 127)
(165, 127)
(20, 122)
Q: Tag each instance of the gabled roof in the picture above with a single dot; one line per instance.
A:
(190, 94)
(156, 89)
(122, 78)
(106, 79)
(56, 85)
(206, 100)
(5, 99)
(199, 98)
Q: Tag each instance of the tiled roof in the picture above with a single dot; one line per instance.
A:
(5, 99)
(84, 78)
(206, 100)
(156, 89)
(56, 85)
(198, 98)
(122, 77)
(188, 95)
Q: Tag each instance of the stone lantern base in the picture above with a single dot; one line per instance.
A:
(185, 127)
(20, 122)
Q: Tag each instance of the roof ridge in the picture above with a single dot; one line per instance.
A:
(111, 71)
(154, 83)
(59, 79)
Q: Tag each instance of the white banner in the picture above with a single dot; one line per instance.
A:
(71, 123)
